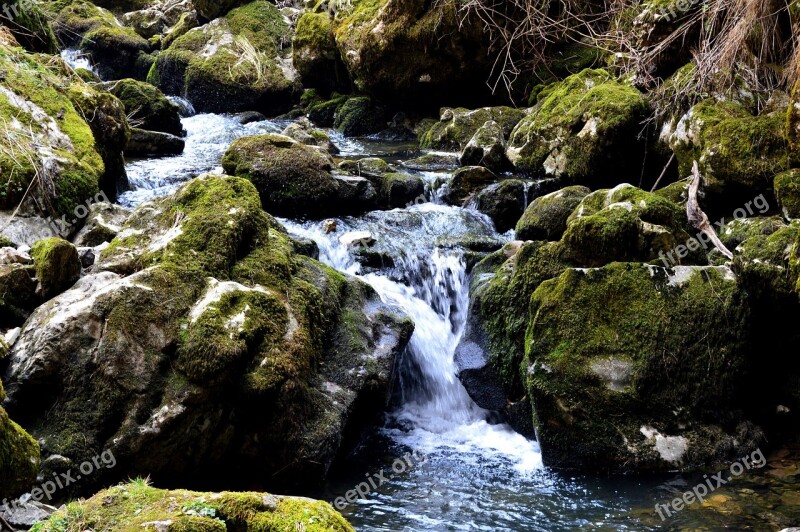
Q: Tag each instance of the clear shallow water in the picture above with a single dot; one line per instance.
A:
(475, 475)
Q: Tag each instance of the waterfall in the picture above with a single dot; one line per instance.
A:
(430, 284)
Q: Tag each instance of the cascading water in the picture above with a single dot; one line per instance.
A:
(477, 475)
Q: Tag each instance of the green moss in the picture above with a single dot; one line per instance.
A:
(577, 127)
(130, 507)
(57, 265)
(291, 177)
(733, 148)
(658, 325)
(23, 146)
(323, 113)
(147, 106)
(19, 456)
(360, 116)
(457, 126)
(30, 26)
(546, 216)
(787, 192)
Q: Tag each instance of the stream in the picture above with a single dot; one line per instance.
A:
(469, 472)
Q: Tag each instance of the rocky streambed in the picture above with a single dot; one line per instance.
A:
(487, 318)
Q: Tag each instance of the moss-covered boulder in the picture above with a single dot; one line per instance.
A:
(503, 202)
(19, 456)
(414, 51)
(320, 111)
(57, 266)
(486, 148)
(394, 189)
(19, 296)
(147, 107)
(211, 9)
(466, 182)
(457, 127)
(202, 329)
(633, 368)
(292, 178)
(107, 118)
(546, 216)
(303, 131)
(315, 54)
(787, 192)
(360, 116)
(577, 130)
(629, 224)
(19, 452)
(30, 26)
(44, 136)
(138, 506)
(118, 52)
(103, 223)
(145, 143)
(236, 63)
(739, 154)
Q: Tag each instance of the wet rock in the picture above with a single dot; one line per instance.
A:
(147, 107)
(102, 224)
(315, 54)
(9, 255)
(235, 63)
(329, 226)
(19, 295)
(304, 132)
(546, 216)
(467, 181)
(394, 189)
(57, 266)
(578, 128)
(205, 271)
(457, 127)
(433, 162)
(486, 148)
(250, 117)
(357, 239)
(153, 144)
(503, 202)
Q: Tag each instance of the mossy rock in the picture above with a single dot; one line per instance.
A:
(394, 189)
(323, 112)
(503, 202)
(629, 224)
(118, 52)
(787, 192)
(30, 26)
(315, 55)
(201, 309)
(360, 116)
(620, 373)
(232, 64)
(42, 122)
(147, 107)
(456, 127)
(57, 265)
(738, 154)
(486, 148)
(19, 456)
(546, 216)
(765, 260)
(107, 118)
(73, 20)
(417, 53)
(211, 9)
(292, 178)
(578, 128)
(19, 297)
(466, 182)
(138, 506)
(500, 294)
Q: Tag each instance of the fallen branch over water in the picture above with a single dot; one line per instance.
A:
(698, 218)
